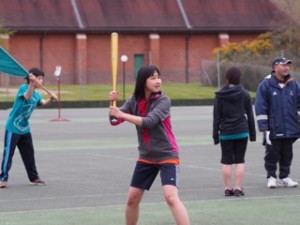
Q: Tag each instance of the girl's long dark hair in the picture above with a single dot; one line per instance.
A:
(143, 74)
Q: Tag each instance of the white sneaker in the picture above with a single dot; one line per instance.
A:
(272, 182)
(287, 182)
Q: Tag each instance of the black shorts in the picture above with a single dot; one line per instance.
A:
(233, 151)
(144, 175)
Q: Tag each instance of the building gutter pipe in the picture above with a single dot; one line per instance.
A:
(187, 39)
(77, 14)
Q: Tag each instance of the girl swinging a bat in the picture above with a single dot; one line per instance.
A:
(17, 130)
(149, 110)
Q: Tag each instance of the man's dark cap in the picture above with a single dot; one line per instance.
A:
(280, 60)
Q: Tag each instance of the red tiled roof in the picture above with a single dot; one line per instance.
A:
(37, 14)
(130, 14)
(233, 14)
(139, 15)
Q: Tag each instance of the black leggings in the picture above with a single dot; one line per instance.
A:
(233, 151)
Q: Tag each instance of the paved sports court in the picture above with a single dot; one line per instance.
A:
(88, 166)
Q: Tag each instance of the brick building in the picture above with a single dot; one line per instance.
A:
(175, 35)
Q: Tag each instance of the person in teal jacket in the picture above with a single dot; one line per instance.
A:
(17, 129)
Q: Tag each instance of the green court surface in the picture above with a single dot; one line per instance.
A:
(247, 211)
(88, 166)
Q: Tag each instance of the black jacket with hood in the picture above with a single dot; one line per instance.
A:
(233, 113)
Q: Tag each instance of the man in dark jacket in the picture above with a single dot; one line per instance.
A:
(277, 107)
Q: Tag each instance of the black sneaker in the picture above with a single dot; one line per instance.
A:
(238, 193)
(228, 192)
(38, 182)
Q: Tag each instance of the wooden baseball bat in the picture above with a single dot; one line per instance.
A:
(46, 90)
(114, 67)
(114, 62)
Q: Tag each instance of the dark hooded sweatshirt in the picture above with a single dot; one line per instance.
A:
(233, 113)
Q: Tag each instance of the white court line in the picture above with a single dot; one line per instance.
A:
(61, 197)
(217, 170)
(153, 203)
(115, 194)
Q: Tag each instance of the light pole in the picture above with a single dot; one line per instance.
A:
(124, 59)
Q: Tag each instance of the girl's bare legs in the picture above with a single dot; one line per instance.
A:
(177, 208)
(239, 175)
(132, 205)
(226, 170)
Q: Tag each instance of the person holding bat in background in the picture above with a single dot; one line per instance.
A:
(149, 110)
(17, 133)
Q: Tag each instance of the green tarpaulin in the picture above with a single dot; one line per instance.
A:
(10, 66)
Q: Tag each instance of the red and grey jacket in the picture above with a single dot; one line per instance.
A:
(155, 137)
